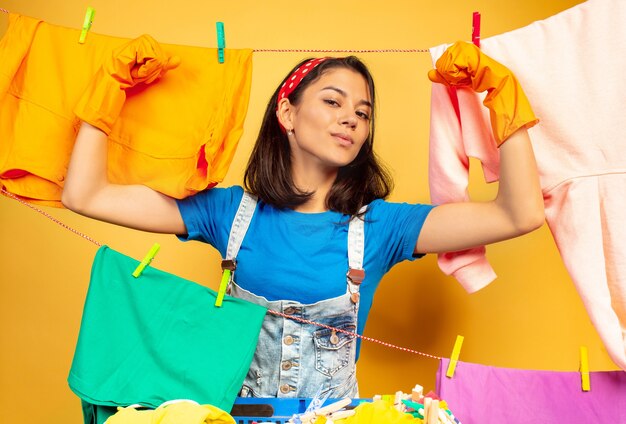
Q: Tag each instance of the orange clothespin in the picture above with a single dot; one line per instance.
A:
(221, 41)
(91, 12)
(584, 369)
(146, 260)
(476, 28)
(454, 358)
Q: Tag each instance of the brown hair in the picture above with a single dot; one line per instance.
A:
(268, 173)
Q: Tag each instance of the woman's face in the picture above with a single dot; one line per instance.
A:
(332, 119)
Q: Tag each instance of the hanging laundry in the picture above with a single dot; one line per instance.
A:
(484, 394)
(177, 136)
(570, 67)
(158, 337)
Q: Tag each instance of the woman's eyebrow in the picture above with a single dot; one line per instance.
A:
(344, 94)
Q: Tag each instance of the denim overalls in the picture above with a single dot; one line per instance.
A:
(295, 359)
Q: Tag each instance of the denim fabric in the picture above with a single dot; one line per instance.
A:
(296, 359)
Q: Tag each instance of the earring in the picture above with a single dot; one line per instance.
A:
(290, 132)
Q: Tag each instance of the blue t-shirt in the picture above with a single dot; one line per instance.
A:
(289, 255)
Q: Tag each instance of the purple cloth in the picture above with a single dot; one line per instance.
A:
(480, 394)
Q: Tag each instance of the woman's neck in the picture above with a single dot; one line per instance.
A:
(318, 183)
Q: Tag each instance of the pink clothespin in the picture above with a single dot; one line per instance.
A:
(476, 28)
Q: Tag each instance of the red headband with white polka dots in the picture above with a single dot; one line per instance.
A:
(296, 77)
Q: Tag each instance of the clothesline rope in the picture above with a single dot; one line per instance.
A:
(340, 51)
(324, 50)
(339, 330)
(50, 217)
(350, 333)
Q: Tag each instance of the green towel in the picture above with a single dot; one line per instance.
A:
(159, 337)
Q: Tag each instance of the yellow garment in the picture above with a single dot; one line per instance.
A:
(177, 136)
(141, 60)
(175, 413)
(464, 64)
(378, 412)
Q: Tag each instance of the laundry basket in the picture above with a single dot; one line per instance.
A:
(274, 410)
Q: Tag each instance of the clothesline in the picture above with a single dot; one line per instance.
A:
(340, 51)
(323, 50)
(366, 338)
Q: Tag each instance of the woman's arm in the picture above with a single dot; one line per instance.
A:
(87, 189)
(516, 210)
(88, 192)
(518, 206)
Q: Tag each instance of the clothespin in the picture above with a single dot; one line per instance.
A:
(332, 408)
(417, 393)
(221, 41)
(228, 267)
(426, 411)
(146, 260)
(456, 351)
(416, 407)
(476, 28)
(433, 412)
(584, 369)
(340, 415)
(91, 12)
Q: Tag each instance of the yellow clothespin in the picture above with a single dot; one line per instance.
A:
(91, 12)
(584, 369)
(221, 41)
(228, 267)
(146, 260)
(456, 351)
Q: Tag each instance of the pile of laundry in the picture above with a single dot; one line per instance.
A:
(388, 409)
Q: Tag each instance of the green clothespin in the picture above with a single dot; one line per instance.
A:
(221, 41)
(417, 407)
(91, 12)
(146, 260)
(228, 267)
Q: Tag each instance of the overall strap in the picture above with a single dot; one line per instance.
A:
(237, 233)
(356, 249)
(240, 225)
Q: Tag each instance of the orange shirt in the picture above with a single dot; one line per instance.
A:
(177, 136)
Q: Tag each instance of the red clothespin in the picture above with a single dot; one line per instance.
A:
(476, 28)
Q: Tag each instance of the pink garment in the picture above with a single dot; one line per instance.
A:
(484, 394)
(570, 66)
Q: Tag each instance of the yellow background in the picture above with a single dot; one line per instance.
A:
(531, 317)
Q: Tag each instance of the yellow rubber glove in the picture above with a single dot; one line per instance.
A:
(141, 60)
(464, 64)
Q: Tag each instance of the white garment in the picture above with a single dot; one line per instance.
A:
(570, 66)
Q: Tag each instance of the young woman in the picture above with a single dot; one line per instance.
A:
(314, 202)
